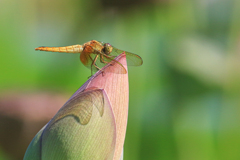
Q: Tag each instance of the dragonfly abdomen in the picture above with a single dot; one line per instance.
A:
(67, 49)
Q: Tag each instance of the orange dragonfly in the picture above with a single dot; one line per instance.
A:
(92, 50)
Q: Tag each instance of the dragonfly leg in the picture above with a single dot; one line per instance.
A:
(102, 59)
(91, 65)
(102, 55)
(94, 64)
(109, 57)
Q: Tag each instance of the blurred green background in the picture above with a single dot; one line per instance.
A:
(184, 99)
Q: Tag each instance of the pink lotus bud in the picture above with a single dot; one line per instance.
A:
(91, 124)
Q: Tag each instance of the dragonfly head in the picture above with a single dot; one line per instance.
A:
(107, 48)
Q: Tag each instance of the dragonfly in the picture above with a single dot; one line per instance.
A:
(95, 55)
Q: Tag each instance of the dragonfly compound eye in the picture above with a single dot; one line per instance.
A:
(107, 48)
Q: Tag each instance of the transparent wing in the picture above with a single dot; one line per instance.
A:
(101, 61)
(118, 67)
(132, 59)
(81, 106)
(87, 60)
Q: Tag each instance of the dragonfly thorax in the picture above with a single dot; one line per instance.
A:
(107, 48)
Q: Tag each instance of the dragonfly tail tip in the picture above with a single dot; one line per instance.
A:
(38, 48)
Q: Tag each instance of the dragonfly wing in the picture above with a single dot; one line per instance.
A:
(132, 59)
(87, 60)
(81, 106)
(117, 66)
